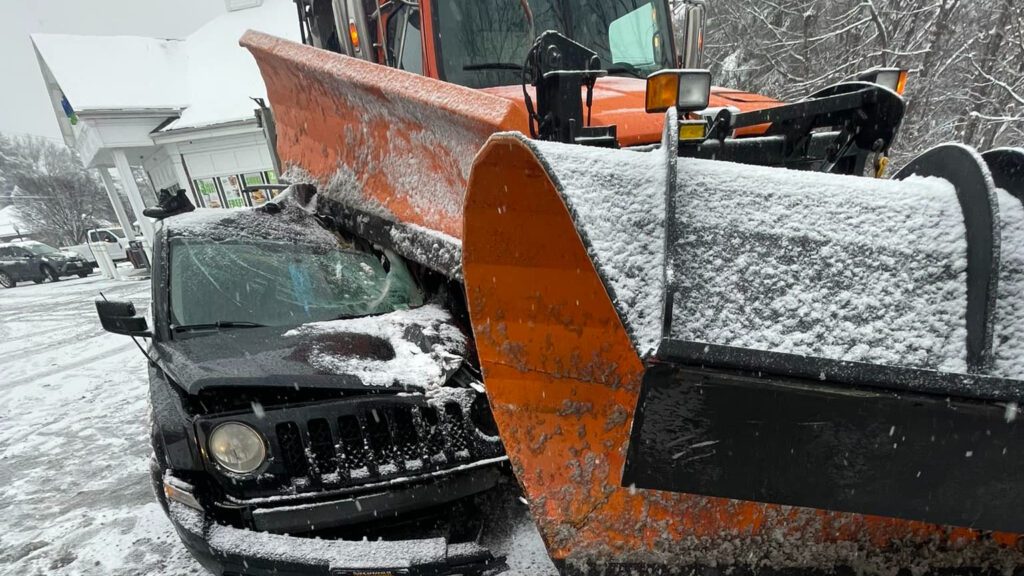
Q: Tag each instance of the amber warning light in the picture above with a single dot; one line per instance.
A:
(353, 34)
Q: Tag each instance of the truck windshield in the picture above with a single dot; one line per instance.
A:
(272, 283)
(483, 43)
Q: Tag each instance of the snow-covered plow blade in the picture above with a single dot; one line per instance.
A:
(696, 364)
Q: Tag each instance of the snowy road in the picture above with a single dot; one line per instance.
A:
(74, 489)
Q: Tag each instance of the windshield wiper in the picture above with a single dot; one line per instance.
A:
(493, 66)
(218, 325)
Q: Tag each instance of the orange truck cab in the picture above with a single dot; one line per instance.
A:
(495, 48)
(483, 45)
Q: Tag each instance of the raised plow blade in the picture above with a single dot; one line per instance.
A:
(698, 365)
(386, 141)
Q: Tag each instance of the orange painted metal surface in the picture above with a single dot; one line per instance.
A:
(396, 142)
(621, 101)
(563, 379)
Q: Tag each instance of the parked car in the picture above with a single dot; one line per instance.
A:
(316, 401)
(113, 239)
(38, 262)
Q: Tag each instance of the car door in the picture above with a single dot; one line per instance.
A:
(18, 263)
(7, 262)
(114, 247)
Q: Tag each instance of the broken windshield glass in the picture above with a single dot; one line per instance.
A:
(274, 283)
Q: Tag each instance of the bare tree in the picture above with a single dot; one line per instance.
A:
(966, 59)
(56, 197)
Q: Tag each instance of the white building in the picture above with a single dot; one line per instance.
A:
(181, 109)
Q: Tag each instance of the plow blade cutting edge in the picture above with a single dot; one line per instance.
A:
(698, 365)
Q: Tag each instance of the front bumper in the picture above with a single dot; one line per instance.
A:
(267, 549)
(71, 268)
(232, 551)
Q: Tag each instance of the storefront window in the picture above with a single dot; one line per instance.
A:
(232, 191)
(258, 197)
(271, 177)
(207, 189)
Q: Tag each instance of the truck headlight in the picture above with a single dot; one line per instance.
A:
(686, 90)
(894, 79)
(237, 447)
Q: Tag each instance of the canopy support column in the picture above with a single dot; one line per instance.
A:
(115, 201)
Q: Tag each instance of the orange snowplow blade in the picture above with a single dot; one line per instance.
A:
(564, 377)
(377, 138)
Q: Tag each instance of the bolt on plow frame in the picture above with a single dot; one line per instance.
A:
(697, 365)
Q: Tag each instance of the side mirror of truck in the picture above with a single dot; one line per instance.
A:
(121, 318)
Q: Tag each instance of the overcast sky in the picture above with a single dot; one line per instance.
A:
(24, 106)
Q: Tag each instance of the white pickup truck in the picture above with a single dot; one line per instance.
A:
(113, 239)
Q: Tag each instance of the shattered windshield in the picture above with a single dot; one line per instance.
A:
(281, 283)
(483, 43)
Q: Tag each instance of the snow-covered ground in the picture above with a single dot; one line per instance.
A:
(74, 488)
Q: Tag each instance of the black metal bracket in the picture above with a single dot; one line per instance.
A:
(560, 69)
(862, 119)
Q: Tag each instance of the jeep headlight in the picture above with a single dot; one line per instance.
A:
(237, 447)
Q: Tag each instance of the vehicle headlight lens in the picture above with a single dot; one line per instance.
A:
(237, 447)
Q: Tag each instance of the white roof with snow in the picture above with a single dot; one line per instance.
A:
(91, 70)
(207, 76)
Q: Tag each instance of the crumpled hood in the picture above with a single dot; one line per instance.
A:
(416, 349)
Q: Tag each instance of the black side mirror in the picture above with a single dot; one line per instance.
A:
(121, 318)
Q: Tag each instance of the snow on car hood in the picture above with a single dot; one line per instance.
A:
(427, 348)
(401, 351)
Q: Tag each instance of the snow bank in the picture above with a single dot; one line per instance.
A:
(428, 348)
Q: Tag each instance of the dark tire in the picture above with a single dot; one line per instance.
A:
(39, 280)
(50, 274)
(83, 274)
(6, 280)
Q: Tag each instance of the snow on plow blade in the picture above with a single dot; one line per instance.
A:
(698, 364)
(379, 139)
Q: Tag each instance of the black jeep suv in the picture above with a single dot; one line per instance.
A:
(316, 408)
